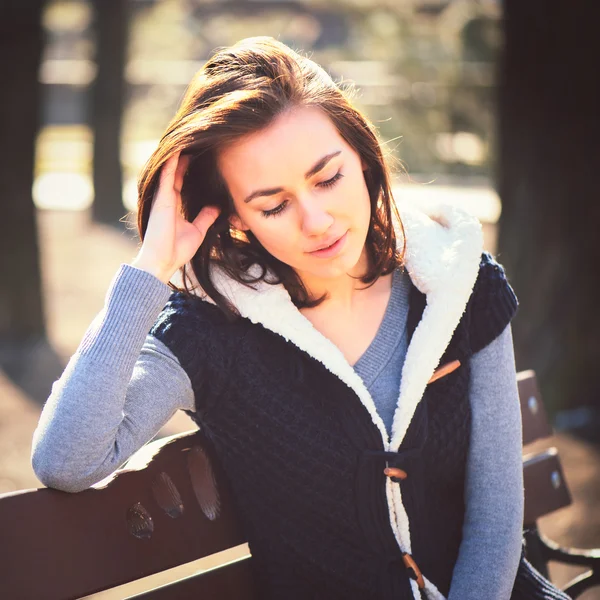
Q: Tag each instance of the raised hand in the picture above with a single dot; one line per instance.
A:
(170, 240)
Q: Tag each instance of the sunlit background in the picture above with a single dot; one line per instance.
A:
(424, 71)
(497, 115)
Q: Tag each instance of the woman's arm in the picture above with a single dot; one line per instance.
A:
(492, 532)
(118, 389)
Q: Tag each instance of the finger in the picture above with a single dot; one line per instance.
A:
(182, 166)
(206, 217)
(163, 195)
(168, 169)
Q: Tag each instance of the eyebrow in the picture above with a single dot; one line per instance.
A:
(318, 166)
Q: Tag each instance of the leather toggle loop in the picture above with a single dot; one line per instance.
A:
(413, 569)
(396, 463)
(444, 370)
(393, 472)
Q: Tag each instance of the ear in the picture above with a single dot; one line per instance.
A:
(237, 223)
(363, 164)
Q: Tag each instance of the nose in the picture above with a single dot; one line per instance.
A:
(315, 218)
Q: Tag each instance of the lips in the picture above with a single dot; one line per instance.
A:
(327, 243)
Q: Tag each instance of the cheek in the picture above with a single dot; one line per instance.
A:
(365, 195)
(360, 203)
(366, 204)
(276, 235)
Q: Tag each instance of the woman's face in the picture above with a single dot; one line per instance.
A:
(298, 186)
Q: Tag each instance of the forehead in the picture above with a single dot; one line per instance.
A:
(282, 152)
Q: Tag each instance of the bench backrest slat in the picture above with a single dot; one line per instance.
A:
(533, 414)
(545, 487)
(234, 582)
(544, 482)
(57, 545)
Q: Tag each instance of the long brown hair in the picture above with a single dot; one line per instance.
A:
(238, 91)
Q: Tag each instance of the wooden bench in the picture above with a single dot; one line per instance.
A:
(546, 491)
(170, 505)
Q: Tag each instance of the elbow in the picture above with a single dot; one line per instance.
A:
(53, 475)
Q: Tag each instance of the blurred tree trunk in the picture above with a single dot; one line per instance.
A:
(108, 93)
(549, 151)
(21, 40)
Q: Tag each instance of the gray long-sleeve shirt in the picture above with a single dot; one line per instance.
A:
(122, 385)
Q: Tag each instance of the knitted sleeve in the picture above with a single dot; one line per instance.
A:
(193, 330)
(492, 530)
(118, 389)
(492, 304)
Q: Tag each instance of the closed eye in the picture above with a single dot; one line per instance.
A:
(332, 181)
(276, 210)
(327, 183)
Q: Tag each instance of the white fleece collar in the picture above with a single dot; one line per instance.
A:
(443, 251)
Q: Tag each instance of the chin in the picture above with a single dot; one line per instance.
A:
(328, 273)
(336, 267)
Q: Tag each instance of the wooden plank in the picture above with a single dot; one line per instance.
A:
(233, 581)
(169, 506)
(533, 413)
(545, 486)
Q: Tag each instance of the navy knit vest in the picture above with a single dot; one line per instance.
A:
(305, 461)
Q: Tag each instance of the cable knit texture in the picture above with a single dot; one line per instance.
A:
(530, 584)
(279, 420)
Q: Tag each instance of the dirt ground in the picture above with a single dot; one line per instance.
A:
(79, 260)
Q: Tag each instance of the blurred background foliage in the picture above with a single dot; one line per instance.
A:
(424, 74)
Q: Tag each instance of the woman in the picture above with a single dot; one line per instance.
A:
(351, 366)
